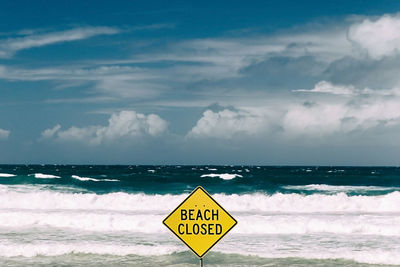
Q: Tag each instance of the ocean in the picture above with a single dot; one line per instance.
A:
(83, 215)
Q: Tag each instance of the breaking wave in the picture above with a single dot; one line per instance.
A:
(224, 176)
(7, 175)
(45, 176)
(12, 198)
(93, 179)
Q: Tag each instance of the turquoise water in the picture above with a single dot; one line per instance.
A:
(112, 215)
(179, 179)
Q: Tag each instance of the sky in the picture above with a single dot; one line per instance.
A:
(200, 82)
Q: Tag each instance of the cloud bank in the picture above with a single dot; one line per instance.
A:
(321, 111)
(125, 124)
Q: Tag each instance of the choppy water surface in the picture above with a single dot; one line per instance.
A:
(112, 215)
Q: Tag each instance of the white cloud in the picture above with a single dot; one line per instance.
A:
(4, 134)
(238, 52)
(49, 133)
(215, 63)
(211, 60)
(325, 87)
(340, 109)
(10, 46)
(228, 123)
(359, 110)
(379, 37)
(318, 119)
(329, 88)
(118, 81)
(125, 124)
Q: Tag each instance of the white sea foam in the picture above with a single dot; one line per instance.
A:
(315, 215)
(257, 213)
(366, 226)
(369, 255)
(31, 188)
(250, 224)
(314, 203)
(92, 221)
(278, 203)
(84, 178)
(56, 249)
(5, 175)
(307, 224)
(93, 179)
(269, 248)
(339, 188)
(45, 176)
(224, 176)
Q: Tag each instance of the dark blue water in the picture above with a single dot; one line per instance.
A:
(181, 179)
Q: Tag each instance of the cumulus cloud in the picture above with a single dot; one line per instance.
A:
(361, 109)
(10, 46)
(125, 124)
(49, 133)
(228, 123)
(314, 119)
(4, 134)
(379, 37)
(322, 111)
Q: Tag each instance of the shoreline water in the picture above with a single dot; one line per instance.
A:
(287, 216)
(177, 260)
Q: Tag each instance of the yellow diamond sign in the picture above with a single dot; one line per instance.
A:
(200, 222)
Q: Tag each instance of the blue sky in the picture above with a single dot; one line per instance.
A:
(200, 82)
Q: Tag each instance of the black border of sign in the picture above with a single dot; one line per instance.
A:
(202, 189)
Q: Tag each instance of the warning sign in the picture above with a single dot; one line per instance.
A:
(200, 222)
